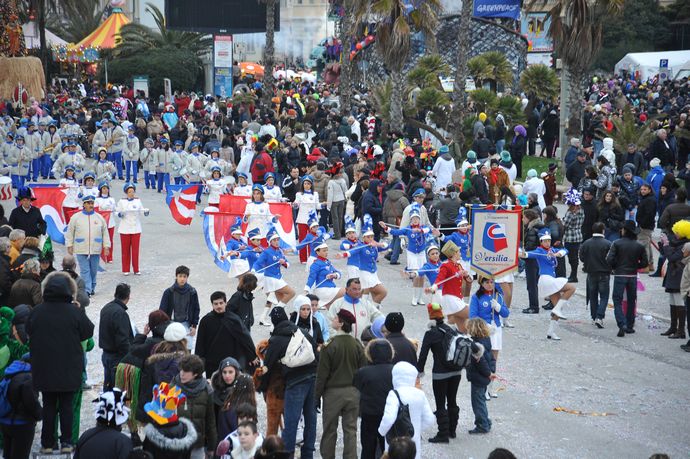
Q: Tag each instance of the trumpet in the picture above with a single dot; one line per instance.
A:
(50, 147)
(109, 143)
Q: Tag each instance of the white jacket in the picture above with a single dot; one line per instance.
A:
(215, 189)
(364, 312)
(87, 234)
(132, 151)
(107, 203)
(535, 185)
(404, 378)
(149, 159)
(443, 171)
(129, 212)
(306, 202)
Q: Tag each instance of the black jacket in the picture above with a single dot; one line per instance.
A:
(5, 278)
(672, 214)
(478, 372)
(26, 409)
(673, 251)
(241, 304)
(646, 212)
(103, 442)
(659, 149)
(532, 234)
(277, 345)
(433, 341)
(404, 349)
(576, 172)
(171, 441)
(31, 222)
(627, 256)
(143, 345)
(591, 217)
(375, 380)
(611, 216)
(181, 312)
(115, 329)
(481, 188)
(593, 255)
(223, 335)
(56, 329)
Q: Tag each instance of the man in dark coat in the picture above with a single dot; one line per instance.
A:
(114, 333)
(675, 212)
(576, 170)
(372, 204)
(661, 149)
(56, 329)
(222, 334)
(27, 217)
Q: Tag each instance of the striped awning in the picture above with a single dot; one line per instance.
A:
(104, 35)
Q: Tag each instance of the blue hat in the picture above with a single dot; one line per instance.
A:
(164, 140)
(431, 243)
(129, 185)
(98, 124)
(178, 142)
(419, 192)
(269, 175)
(194, 145)
(349, 224)
(25, 193)
(443, 149)
(237, 226)
(376, 327)
(272, 234)
(87, 198)
(71, 143)
(130, 127)
(23, 121)
(254, 234)
(215, 169)
(90, 175)
(215, 149)
(415, 211)
(257, 186)
(308, 178)
(10, 134)
(367, 225)
(69, 167)
(461, 219)
(103, 184)
(19, 137)
(312, 219)
(544, 233)
(31, 123)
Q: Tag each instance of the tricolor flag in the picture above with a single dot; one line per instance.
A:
(216, 233)
(281, 217)
(182, 202)
(49, 200)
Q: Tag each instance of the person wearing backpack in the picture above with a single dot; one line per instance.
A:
(405, 394)
(20, 409)
(299, 380)
(445, 376)
(339, 360)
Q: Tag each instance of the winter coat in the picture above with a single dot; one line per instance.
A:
(321, 180)
(241, 304)
(518, 148)
(443, 171)
(433, 341)
(611, 216)
(532, 234)
(27, 290)
(103, 442)
(87, 233)
(576, 172)
(371, 202)
(277, 345)
(56, 329)
(31, 222)
(479, 370)
(157, 368)
(26, 409)
(646, 212)
(198, 408)
(404, 349)
(404, 380)
(223, 335)
(5, 279)
(593, 253)
(661, 149)
(339, 361)
(143, 345)
(181, 312)
(481, 188)
(171, 441)
(626, 256)
(672, 214)
(115, 329)
(393, 207)
(375, 380)
(82, 297)
(673, 251)
(260, 165)
(591, 216)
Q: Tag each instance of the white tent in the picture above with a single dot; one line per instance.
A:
(646, 65)
(33, 39)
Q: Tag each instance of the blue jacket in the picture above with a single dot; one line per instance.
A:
(655, 177)
(353, 256)
(318, 271)
(234, 244)
(269, 257)
(371, 202)
(547, 265)
(481, 307)
(462, 241)
(368, 257)
(416, 240)
(309, 240)
(430, 271)
(250, 255)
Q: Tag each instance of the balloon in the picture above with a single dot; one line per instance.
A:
(359, 46)
(352, 54)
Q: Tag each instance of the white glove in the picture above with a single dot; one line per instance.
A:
(496, 305)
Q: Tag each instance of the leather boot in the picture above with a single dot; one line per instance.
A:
(453, 417)
(672, 329)
(680, 327)
(442, 421)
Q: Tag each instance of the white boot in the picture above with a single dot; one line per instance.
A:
(491, 390)
(551, 334)
(415, 296)
(265, 321)
(558, 309)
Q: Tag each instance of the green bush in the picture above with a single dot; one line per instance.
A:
(181, 66)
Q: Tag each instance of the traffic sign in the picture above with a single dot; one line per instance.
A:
(663, 63)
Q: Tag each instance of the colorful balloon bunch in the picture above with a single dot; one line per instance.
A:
(368, 40)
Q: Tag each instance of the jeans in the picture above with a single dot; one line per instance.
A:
(46, 165)
(35, 168)
(573, 248)
(324, 217)
(395, 244)
(54, 403)
(18, 440)
(598, 286)
(628, 285)
(373, 444)
(150, 179)
(110, 362)
(337, 217)
(532, 273)
(132, 170)
(612, 235)
(18, 181)
(163, 178)
(598, 146)
(499, 145)
(88, 269)
(481, 414)
(117, 159)
(299, 400)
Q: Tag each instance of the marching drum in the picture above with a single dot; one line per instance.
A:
(6, 197)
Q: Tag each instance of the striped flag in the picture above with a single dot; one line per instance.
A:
(182, 202)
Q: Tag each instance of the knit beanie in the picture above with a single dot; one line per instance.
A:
(394, 322)
(278, 315)
(435, 311)
(175, 332)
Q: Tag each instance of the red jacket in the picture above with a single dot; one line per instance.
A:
(260, 165)
(453, 271)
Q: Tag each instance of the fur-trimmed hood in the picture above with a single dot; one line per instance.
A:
(155, 358)
(177, 437)
(477, 350)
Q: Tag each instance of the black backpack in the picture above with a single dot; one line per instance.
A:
(402, 427)
(457, 348)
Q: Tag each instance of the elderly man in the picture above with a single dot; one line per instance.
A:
(17, 238)
(27, 217)
(572, 152)
(355, 127)
(87, 234)
(661, 149)
(361, 308)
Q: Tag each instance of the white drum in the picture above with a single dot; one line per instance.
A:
(6, 197)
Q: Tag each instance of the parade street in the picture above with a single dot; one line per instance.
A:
(590, 395)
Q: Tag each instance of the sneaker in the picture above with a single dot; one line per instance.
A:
(599, 323)
(66, 448)
(421, 302)
(46, 450)
(125, 274)
(138, 273)
(553, 337)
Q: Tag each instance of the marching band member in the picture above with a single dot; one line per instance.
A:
(88, 187)
(310, 238)
(216, 186)
(116, 144)
(306, 201)
(321, 277)
(105, 202)
(461, 238)
(216, 161)
(556, 289)
(129, 210)
(416, 257)
(132, 154)
(72, 201)
(248, 253)
(51, 150)
(242, 188)
(34, 143)
(19, 159)
(165, 162)
(269, 263)
(105, 170)
(350, 244)
(176, 161)
(194, 165)
(234, 246)
(72, 157)
(431, 268)
(257, 213)
(273, 192)
(149, 160)
(452, 276)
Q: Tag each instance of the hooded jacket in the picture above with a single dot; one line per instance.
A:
(142, 346)
(171, 441)
(371, 202)
(404, 380)
(375, 380)
(26, 408)
(394, 206)
(56, 329)
(198, 408)
(443, 171)
(27, 290)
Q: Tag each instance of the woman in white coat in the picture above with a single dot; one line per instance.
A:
(534, 184)
(443, 169)
(129, 210)
(404, 379)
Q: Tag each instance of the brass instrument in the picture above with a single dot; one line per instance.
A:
(109, 144)
(50, 147)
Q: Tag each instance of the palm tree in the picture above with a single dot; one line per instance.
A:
(345, 85)
(269, 50)
(539, 82)
(459, 96)
(135, 38)
(501, 70)
(396, 20)
(479, 69)
(78, 19)
(577, 31)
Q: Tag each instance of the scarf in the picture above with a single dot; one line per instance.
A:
(191, 389)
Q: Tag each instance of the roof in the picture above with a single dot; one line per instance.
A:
(104, 35)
